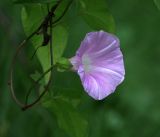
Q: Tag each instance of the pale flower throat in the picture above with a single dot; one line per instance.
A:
(86, 62)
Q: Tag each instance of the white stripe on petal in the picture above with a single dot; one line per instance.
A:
(104, 49)
(106, 70)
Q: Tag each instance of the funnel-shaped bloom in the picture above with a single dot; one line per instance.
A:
(99, 63)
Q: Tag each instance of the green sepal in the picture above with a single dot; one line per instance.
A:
(63, 64)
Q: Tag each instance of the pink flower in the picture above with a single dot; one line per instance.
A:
(99, 63)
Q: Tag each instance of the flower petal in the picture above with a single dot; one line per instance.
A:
(96, 41)
(101, 82)
(112, 60)
(99, 63)
(75, 61)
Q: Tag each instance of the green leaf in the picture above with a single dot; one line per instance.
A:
(30, 20)
(97, 15)
(35, 75)
(157, 2)
(71, 95)
(68, 118)
(33, 1)
(59, 37)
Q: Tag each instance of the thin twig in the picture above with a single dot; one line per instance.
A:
(50, 22)
(51, 46)
(45, 90)
(57, 20)
(10, 83)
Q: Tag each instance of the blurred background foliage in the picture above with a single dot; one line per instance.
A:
(133, 110)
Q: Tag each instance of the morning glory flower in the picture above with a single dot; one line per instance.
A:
(99, 63)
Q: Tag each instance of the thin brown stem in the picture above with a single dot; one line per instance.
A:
(64, 12)
(10, 83)
(50, 69)
(43, 93)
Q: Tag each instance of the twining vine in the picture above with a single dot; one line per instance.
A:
(47, 39)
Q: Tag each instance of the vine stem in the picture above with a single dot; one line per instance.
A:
(10, 83)
(67, 7)
(45, 90)
(47, 20)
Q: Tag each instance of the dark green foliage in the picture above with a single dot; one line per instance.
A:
(33, 1)
(67, 111)
(157, 2)
(96, 14)
(68, 117)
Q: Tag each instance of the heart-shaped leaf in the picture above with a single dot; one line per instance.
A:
(68, 118)
(97, 15)
(59, 36)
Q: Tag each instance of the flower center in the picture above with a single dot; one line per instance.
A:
(86, 62)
